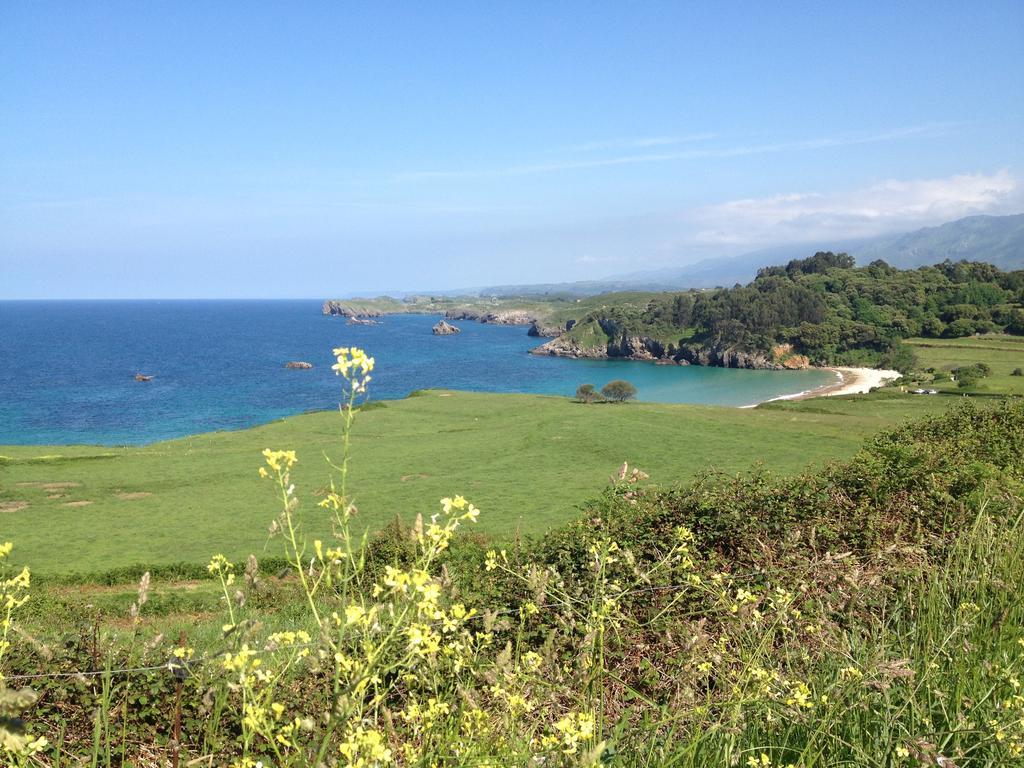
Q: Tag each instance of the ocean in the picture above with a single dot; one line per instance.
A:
(67, 368)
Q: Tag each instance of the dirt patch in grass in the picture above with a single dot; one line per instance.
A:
(13, 506)
(82, 503)
(414, 476)
(57, 496)
(50, 486)
(132, 495)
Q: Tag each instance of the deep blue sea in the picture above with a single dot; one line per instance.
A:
(67, 367)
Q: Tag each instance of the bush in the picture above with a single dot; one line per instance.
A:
(1017, 372)
(586, 393)
(618, 391)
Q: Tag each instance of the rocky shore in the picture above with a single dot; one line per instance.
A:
(539, 325)
(611, 342)
(645, 348)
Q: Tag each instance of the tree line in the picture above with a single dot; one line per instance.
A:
(832, 311)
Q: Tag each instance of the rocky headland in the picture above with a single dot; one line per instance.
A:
(540, 325)
(346, 309)
(495, 317)
(632, 347)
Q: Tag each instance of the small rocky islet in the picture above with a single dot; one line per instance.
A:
(444, 328)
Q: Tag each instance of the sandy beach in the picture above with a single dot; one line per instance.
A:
(849, 381)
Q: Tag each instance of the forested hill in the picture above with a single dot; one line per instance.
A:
(822, 310)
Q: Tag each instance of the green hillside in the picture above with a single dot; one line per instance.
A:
(820, 310)
(528, 461)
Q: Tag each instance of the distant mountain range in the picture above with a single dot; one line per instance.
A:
(998, 240)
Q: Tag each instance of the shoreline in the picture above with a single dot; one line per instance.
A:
(850, 381)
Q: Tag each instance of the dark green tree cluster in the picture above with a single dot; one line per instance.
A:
(829, 310)
(617, 391)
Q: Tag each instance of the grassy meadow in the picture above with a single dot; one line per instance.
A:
(527, 461)
(1001, 352)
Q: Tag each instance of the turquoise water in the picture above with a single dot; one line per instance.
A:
(67, 368)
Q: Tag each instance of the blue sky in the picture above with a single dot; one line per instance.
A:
(304, 149)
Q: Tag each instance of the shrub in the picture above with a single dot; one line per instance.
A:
(1017, 372)
(618, 391)
(586, 393)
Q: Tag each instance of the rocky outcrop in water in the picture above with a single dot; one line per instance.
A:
(445, 329)
(298, 365)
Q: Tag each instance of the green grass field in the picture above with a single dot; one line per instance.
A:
(1000, 352)
(528, 462)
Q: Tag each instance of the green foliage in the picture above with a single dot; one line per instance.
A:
(618, 391)
(970, 375)
(1018, 372)
(959, 328)
(824, 306)
(906, 485)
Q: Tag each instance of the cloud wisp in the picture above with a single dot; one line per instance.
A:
(674, 155)
(888, 206)
(640, 143)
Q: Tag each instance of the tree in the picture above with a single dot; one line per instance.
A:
(586, 393)
(618, 391)
(933, 327)
(969, 375)
(1018, 372)
(1015, 322)
(959, 328)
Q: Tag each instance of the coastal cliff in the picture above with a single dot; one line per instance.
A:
(823, 311)
(548, 329)
(540, 326)
(635, 347)
(616, 344)
(348, 309)
(495, 317)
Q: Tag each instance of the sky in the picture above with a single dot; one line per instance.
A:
(280, 150)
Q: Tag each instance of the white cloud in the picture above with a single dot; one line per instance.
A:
(740, 150)
(641, 143)
(888, 206)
